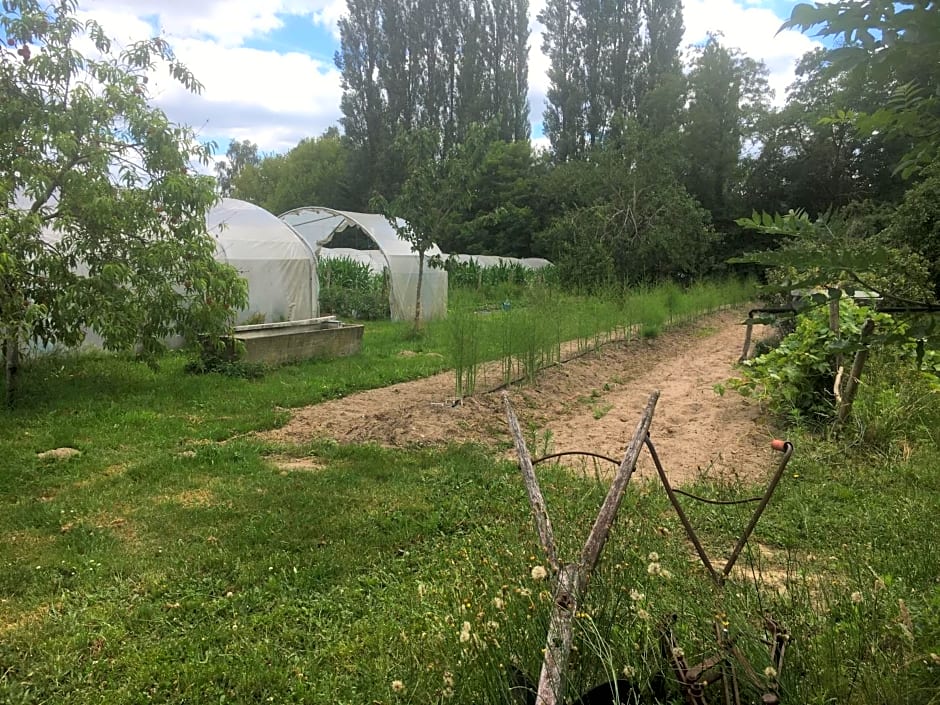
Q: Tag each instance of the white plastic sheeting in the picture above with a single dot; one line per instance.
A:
(279, 266)
(373, 259)
(495, 261)
(318, 226)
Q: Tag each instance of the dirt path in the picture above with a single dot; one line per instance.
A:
(591, 403)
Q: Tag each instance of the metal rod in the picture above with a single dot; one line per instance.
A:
(576, 452)
(746, 534)
(690, 532)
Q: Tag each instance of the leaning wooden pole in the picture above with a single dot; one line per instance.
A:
(855, 376)
(571, 579)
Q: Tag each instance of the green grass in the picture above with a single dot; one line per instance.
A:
(175, 561)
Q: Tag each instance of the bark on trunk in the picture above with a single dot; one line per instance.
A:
(11, 350)
(418, 292)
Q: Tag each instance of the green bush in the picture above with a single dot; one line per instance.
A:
(796, 378)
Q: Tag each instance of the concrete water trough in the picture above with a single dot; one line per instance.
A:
(292, 341)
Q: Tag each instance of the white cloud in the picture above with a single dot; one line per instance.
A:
(272, 98)
(753, 30)
(275, 98)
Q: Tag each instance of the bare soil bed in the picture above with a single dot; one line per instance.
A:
(590, 403)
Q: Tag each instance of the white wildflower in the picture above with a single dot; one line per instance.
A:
(398, 686)
(770, 672)
(465, 633)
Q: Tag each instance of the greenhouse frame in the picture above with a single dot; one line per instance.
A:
(320, 227)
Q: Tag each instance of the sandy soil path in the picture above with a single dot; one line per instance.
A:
(591, 403)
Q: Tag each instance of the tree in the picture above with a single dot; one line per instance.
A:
(238, 156)
(85, 157)
(812, 156)
(898, 43)
(606, 57)
(440, 65)
(628, 219)
(313, 173)
(499, 213)
(429, 201)
(727, 94)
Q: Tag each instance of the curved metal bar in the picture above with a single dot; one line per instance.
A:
(576, 452)
(748, 500)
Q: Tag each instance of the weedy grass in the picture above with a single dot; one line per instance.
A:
(180, 559)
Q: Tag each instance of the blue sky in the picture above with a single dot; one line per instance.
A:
(268, 72)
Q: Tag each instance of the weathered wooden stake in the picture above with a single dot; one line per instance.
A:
(851, 386)
(571, 579)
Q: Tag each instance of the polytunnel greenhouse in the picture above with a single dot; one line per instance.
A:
(277, 263)
(327, 228)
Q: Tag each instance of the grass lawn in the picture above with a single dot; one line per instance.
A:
(177, 561)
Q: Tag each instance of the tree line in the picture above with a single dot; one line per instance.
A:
(651, 160)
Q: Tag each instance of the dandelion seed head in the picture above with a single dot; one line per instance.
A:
(653, 556)
(770, 672)
(856, 597)
(539, 573)
(398, 686)
(654, 568)
(629, 672)
(643, 614)
(637, 596)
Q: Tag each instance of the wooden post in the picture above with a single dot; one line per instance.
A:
(851, 387)
(571, 579)
(834, 326)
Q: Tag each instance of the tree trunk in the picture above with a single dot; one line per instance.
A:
(418, 292)
(11, 350)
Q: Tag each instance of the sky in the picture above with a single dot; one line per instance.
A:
(268, 73)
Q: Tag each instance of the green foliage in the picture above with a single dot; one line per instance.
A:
(898, 43)
(605, 60)
(628, 219)
(313, 173)
(410, 66)
(812, 155)
(546, 324)
(824, 253)
(796, 378)
(916, 224)
(728, 95)
(108, 179)
(238, 157)
(349, 288)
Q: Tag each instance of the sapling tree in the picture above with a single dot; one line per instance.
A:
(430, 200)
(102, 217)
